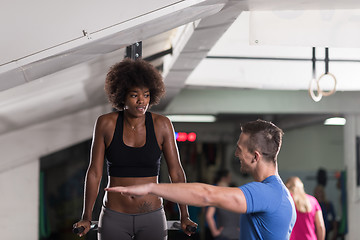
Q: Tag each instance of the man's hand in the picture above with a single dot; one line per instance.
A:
(135, 190)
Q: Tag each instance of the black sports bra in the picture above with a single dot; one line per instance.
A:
(126, 161)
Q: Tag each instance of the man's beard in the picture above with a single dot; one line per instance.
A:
(242, 169)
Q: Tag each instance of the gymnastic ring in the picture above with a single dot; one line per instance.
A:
(327, 93)
(314, 97)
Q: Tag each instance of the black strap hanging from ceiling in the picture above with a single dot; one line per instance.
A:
(326, 60)
(313, 59)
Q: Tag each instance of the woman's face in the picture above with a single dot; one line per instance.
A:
(137, 100)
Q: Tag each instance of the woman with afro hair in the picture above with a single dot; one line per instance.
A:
(131, 141)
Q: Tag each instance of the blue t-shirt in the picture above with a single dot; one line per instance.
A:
(270, 214)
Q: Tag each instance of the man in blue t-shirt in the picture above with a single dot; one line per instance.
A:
(269, 211)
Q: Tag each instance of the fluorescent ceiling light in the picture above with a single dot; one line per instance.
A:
(335, 121)
(192, 118)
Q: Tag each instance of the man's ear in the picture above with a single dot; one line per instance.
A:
(257, 156)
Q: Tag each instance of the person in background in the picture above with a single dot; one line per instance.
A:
(309, 223)
(132, 140)
(328, 212)
(267, 207)
(226, 225)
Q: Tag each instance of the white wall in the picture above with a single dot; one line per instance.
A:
(311, 147)
(19, 189)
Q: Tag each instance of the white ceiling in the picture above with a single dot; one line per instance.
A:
(232, 62)
(49, 68)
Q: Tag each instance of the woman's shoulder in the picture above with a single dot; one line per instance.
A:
(313, 200)
(108, 116)
(160, 119)
(107, 119)
(162, 125)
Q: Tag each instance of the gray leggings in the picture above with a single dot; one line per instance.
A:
(121, 226)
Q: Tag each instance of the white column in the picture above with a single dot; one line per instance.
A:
(352, 129)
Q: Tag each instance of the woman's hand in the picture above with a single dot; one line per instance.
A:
(217, 232)
(86, 224)
(187, 225)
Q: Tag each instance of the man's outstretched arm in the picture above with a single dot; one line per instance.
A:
(195, 194)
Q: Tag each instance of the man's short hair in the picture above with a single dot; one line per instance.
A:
(264, 137)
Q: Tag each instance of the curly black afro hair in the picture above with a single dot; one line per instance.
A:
(130, 73)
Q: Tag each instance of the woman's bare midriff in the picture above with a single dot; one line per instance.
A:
(131, 204)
